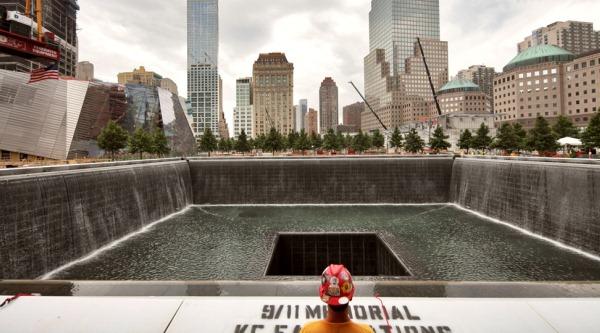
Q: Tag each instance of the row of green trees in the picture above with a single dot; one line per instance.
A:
(297, 141)
(114, 138)
(331, 141)
(542, 138)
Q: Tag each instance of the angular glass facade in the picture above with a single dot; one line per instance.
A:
(394, 26)
(203, 58)
(61, 119)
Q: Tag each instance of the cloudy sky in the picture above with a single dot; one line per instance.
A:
(321, 37)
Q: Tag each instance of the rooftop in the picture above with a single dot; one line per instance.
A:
(539, 54)
(459, 85)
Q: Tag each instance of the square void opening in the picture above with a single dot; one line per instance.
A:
(364, 254)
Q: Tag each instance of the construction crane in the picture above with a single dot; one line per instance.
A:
(435, 98)
(39, 17)
(269, 117)
(16, 35)
(369, 106)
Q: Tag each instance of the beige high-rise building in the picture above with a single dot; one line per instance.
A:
(573, 36)
(170, 85)
(414, 81)
(311, 121)
(85, 71)
(223, 126)
(140, 76)
(353, 114)
(407, 97)
(328, 104)
(273, 94)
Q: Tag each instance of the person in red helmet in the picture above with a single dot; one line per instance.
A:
(337, 290)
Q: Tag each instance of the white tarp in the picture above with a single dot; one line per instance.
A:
(570, 142)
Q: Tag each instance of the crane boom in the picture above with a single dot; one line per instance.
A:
(369, 106)
(437, 103)
(269, 117)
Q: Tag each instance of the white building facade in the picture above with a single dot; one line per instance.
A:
(203, 64)
(242, 113)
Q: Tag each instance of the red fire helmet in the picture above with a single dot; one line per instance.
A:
(337, 287)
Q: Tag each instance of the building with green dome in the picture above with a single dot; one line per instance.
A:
(548, 81)
(461, 96)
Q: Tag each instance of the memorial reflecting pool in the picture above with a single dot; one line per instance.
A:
(437, 242)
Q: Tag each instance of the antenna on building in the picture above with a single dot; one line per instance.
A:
(369, 106)
(437, 103)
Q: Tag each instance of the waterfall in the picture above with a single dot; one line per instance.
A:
(51, 219)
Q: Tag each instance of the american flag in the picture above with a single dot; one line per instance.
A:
(44, 73)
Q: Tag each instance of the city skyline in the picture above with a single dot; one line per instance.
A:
(278, 29)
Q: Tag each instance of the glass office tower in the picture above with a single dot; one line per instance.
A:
(203, 57)
(394, 26)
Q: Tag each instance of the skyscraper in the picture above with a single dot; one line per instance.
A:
(312, 125)
(482, 76)
(273, 79)
(301, 110)
(328, 104)
(60, 18)
(203, 64)
(396, 83)
(395, 24)
(85, 71)
(575, 37)
(352, 114)
(242, 113)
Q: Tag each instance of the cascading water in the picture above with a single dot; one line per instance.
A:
(557, 201)
(336, 180)
(51, 219)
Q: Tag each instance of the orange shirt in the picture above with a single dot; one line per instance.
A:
(324, 326)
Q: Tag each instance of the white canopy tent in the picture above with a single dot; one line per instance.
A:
(568, 141)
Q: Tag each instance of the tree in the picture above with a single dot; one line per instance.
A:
(506, 138)
(160, 144)
(274, 141)
(438, 141)
(378, 139)
(330, 141)
(341, 140)
(361, 142)
(112, 138)
(541, 137)
(521, 135)
(482, 140)
(591, 136)
(565, 128)
(466, 140)
(208, 142)
(414, 143)
(140, 142)
(291, 140)
(315, 141)
(259, 142)
(224, 145)
(303, 142)
(242, 145)
(397, 140)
